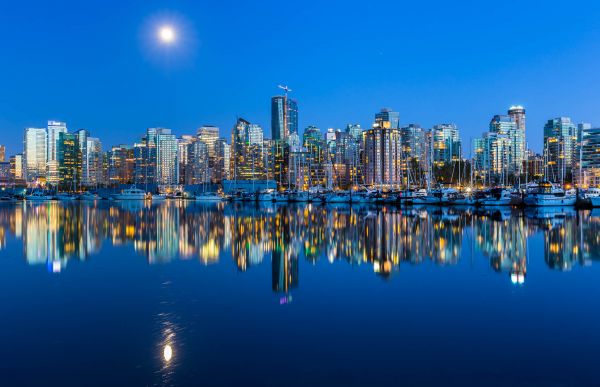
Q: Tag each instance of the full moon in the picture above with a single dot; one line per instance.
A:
(166, 34)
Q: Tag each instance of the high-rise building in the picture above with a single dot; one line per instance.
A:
(69, 160)
(34, 153)
(198, 157)
(183, 147)
(590, 157)
(560, 148)
(167, 166)
(247, 148)
(447, 146)
(315, 145)
(16, 169)
(2, 153)
(121, 162)
(387, 119)
(284, 117)
(94, 160)
(55, 128)
(355, 131)
(82, 137)
(381, 157)
(209, 135)
(222, 160)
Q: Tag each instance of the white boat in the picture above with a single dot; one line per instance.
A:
(65, 197)
(37, 196)
(338, 197)
(267, 195)
(592, 196)
(89, 196)
(300, 196)
(548, 194)
(462, 199)
(208, 197)
(157, 197)
(436, 196)
(130, 194)
(496, 197)
(282, 197)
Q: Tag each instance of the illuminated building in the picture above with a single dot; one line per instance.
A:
(387, 119)
(222, 160)
(120, 165)
(69, 160)
(316, 147)
(247, 147)
(209, 135)
(2, 153)
(447, 145)
(518, 138)
(93, 163)
(198, 171)
(284, 117)
(16, 169)
(382, 151)
(54, 130)
(590, 157)
(167, 167)
(34, 153)
(560, 148)
(183, 146)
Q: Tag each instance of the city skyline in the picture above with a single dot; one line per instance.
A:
(361, 73)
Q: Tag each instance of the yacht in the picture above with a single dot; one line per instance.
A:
(282, 197)
(462, 199)
(89, 196)
(437, 196)
(208, 197)
(496, 197)
(338, 197)
(65, 197)
(156, 197)
(267, 195)
(38, 195)
(7, 198)
(548, 194)
(130, 194)
(300, 196)
(592, 196)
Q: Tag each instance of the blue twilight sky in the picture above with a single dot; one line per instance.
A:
(96, 64)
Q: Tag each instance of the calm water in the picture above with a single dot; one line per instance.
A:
(185, 293)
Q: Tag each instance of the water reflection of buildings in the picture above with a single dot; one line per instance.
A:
(504, 241)
(384, 238)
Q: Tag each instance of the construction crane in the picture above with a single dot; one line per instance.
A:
(286, 89)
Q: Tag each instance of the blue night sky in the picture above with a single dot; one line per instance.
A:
(96, 64)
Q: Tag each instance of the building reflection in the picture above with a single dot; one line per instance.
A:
(385, 238)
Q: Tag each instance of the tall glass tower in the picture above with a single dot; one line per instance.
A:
(284, 117)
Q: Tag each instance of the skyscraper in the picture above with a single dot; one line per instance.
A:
(69, 160)
(209, 135)
(447, 146)
(284, 117)
(82, 137)
(222, 160)
(590, 157)
(52, 167)
(247, 157)
(387, 119)
(120, 167)
(16, 169)
(34, 153)
(2, 153)
(94, 162)
(167, 166)
(560, 148)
